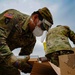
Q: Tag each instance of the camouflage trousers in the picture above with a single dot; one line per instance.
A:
(8, 69)
(54, 57)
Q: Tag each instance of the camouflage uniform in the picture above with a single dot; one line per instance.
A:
(57, 42)
(14, 33)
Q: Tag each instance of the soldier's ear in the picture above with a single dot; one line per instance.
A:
(35, 16)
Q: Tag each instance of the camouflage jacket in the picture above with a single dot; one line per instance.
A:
(57, 39)
(14, 33)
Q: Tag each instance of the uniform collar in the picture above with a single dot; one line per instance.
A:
(24, 27)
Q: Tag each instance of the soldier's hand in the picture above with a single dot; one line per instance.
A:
(23, 59)
(22, 64)
(26, 59)
(25, 67)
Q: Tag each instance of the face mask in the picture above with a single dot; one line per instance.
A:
(37, 31)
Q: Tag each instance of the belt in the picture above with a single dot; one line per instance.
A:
(62, 52)
(58, 53)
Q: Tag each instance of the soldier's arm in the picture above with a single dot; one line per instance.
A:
(28, 49)
(4, 49)
(8, 57)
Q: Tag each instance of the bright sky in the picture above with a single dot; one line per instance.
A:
(63, 12)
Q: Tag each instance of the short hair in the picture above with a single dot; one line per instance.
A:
(39, 15)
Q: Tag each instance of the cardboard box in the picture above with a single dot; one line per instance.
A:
(67, 64)
(43, 59)
(42, 69)
(56, 68)
(32, 60)
(73, 49)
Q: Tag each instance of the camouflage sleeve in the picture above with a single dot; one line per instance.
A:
(72, 36)
(27, 50)
(4, 49)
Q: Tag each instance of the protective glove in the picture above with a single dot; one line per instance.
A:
(24, 66)
(20, 62)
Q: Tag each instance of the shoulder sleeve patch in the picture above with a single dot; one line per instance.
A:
(9, 15)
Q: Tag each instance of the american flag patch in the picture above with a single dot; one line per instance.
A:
(9, 15)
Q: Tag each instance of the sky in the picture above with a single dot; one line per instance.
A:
(63, 12)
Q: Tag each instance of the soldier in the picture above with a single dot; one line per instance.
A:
(57, 43)
(18, 30)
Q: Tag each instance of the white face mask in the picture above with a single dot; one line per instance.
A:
(37, 31)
